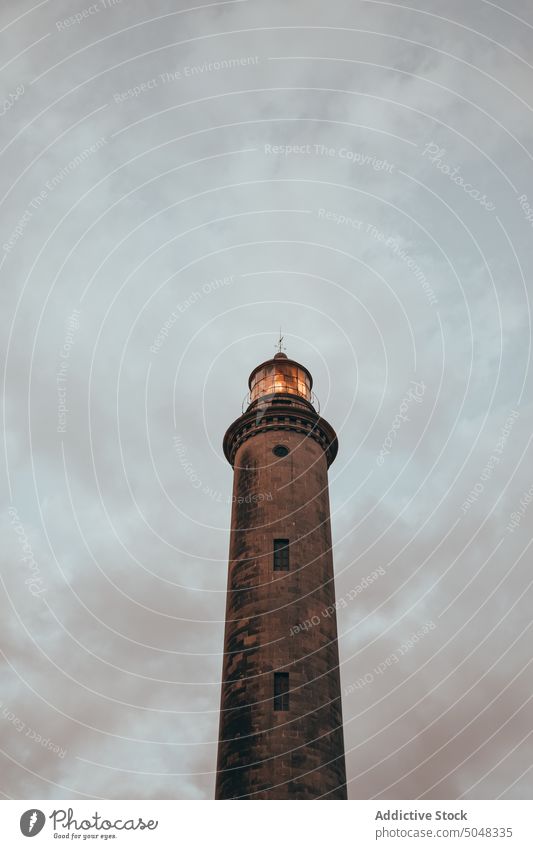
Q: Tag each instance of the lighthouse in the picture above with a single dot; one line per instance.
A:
(281, 734)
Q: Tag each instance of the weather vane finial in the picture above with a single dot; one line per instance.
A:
(279, 345)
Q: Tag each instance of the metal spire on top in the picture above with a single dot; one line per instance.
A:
(279, 345)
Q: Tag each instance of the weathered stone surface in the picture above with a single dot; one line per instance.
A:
(281, 621)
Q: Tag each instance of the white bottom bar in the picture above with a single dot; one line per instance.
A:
(273, 825)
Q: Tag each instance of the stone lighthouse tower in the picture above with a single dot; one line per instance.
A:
(281, 733)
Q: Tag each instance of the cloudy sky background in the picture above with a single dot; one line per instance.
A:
(116, 659)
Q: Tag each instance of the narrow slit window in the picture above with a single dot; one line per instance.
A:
(281, 691)
(281, 555)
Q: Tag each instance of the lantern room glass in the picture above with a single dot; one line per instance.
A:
(283, 378)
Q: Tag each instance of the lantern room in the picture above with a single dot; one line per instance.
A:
(280, 376)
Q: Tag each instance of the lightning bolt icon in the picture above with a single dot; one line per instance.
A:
(33, 820)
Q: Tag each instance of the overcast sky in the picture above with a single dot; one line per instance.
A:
(178, 180)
